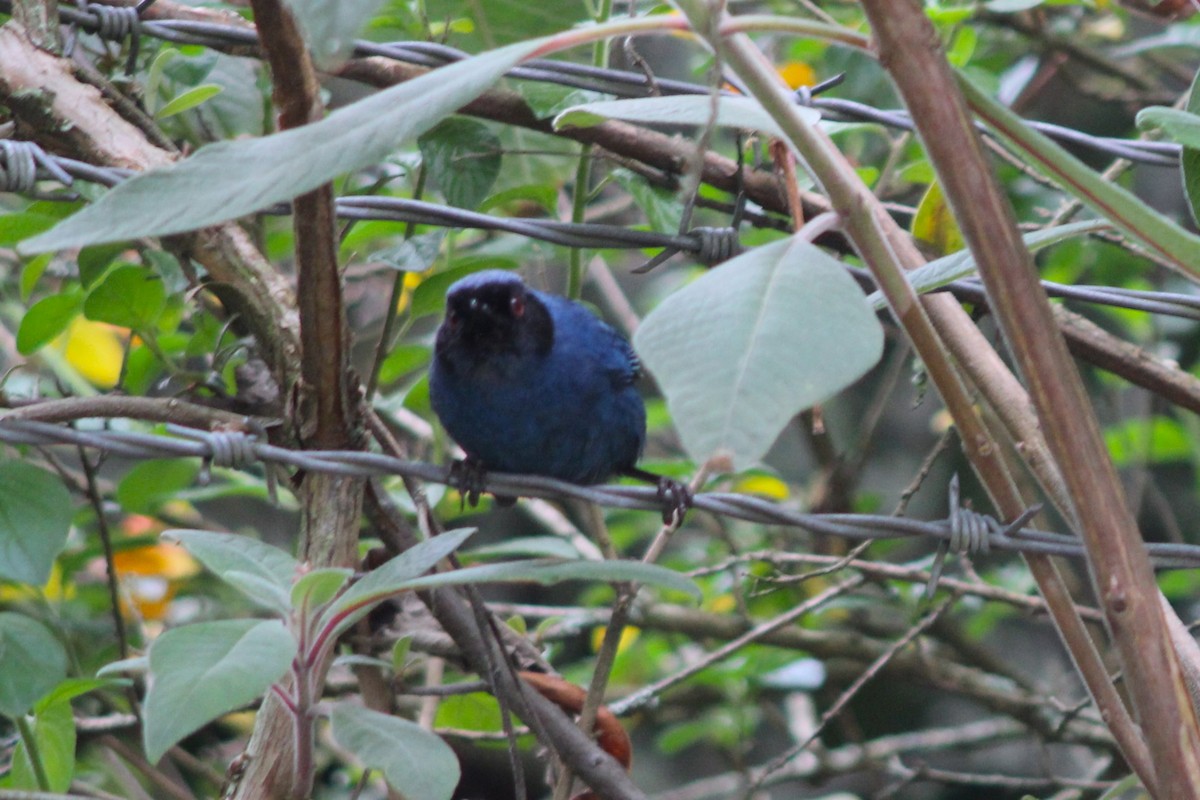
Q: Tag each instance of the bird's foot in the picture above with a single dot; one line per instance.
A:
(467, 476)
(676, 497)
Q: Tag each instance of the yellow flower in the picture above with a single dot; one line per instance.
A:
(95, 350)
(796, 74)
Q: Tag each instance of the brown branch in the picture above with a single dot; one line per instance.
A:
(1098, 347)
(1120, 569)
(148, 409)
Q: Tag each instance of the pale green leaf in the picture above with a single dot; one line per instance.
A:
(750, 344)
(414, 761)
(199, 672)
(743, 113)
(230, 179)
(35, 517)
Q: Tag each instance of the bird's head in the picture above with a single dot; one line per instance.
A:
(491, 313)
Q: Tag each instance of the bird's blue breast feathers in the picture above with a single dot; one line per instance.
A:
(531, 382)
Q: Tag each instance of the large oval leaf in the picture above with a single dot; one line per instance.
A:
(201, 671)
(413, 760)
(230, 179)
(752, 343)
(34, 662)
(35, 517)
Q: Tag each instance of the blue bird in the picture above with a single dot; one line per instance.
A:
(534, 383)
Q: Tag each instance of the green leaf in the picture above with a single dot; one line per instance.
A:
(23, 224)
(551, 571)
(1124, 209)
(538, 546)
(136, 664)
(31, 273)
(412, 760)
(387, 580)
(319, 587)
(1181, 126)
(230, 179)
(199, 672)
(34, 663)
(1189, 159)
(485, 24)
(45, 320)
(743, 113)
(1158, 440)
(794, 330)
(948, 269)
(131, 297)
(416, 254)
(934, 223)
(95, 261)
(71, 688)
(403, 359)
(189, 99)
(430, 295)
(330, 28)
(463, 158)
(35, 517)
(663, 210)
(54, 732)
(261, 572)
(149, 484)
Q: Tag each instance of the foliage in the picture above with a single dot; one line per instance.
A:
(187, 294)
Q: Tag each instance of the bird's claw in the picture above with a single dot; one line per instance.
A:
(676, 498)
(467, 476)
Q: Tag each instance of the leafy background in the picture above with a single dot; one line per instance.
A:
(739, 354)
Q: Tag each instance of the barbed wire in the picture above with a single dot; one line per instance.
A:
(240, 450)
(115, 23)
(708, 245)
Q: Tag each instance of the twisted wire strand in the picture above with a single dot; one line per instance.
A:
(707, 245)
(622, 83)
(240, 450)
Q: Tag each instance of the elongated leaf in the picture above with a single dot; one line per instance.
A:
(1181, 126)
(414, 761)
(188, 100)
(34, 662)
(199, 672)
(551, 571)
(391, 578)
(35, 517)
(743, 113)
(750, 344)
(948, 269)
(1189, 159)
(230, 179)
(319, 586)
(261, 572)
(1125, 210)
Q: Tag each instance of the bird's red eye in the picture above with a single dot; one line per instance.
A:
(452, 318)
(517, 305)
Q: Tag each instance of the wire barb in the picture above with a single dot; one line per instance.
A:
(227, 449)
(18, 170)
